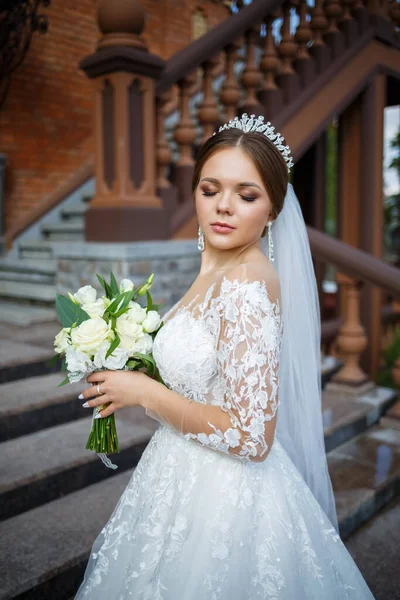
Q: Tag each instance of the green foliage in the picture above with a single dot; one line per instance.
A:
(69, 313)
(390, 356)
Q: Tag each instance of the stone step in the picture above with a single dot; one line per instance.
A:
(75, 214)
(345, 416)
(51, 463)
(40, 293)
(19, 360)
(64, 230)
(14, 313)
(35, 403)
(365, 474)
(375, 550)
(43, 552)
(35, 250)
(33, 570)
(11, 264)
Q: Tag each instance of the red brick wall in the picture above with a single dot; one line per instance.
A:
(46, 120)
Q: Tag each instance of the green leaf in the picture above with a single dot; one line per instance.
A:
(105, 285)
(66, 380)
(149, 301)
(113, 284)
(115, 344)
(133, 363)
(120, 302)
(53, 360)
(68, 312)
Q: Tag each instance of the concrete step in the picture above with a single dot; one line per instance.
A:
(26, 265)
(15, 313)
(19, 360)
(35, 250)
(43, 552)
(375, 550)
(35, 403)
(345, 417)
(365, 474)
(64, 230)
(51, 463)
(75, 214)
(28, 291)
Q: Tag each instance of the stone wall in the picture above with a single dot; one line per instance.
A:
(175, 265)
(46, 121)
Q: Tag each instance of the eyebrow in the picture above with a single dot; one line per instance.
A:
(242, 184)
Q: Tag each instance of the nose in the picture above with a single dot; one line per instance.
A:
(224, 202)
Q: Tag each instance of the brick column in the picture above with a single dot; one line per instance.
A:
(126, 206)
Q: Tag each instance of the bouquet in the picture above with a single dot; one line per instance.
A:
(113, 332)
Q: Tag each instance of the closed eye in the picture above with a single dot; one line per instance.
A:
(248, 198)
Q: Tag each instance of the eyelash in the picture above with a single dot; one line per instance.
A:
(246, 198)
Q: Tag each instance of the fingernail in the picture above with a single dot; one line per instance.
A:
(85, 405)
(98, 416)
(80, 397)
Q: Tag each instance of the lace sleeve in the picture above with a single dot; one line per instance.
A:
(243, 422)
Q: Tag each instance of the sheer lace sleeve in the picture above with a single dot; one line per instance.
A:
(238, 415)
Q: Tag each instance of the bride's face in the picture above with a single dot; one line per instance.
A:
(231, 191)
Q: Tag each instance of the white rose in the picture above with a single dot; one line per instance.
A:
(128, 330)
(62, 340)
(86, 294)
(136, 312)
(144, 345)
(115, 361)
(78, 363)
(95, 309)
(90, 334)
(126, 285)
(152, 321)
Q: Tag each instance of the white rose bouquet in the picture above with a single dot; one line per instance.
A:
(112, 332)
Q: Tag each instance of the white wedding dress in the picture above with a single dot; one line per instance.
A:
(204, 516)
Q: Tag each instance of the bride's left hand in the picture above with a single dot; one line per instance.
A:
(121, 388)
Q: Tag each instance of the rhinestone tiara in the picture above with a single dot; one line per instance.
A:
(253, 123)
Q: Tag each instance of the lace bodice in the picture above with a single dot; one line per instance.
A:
(224, 351)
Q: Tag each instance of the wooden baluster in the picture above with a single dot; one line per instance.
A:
(348, 25)
(165, 190)
(333, 37)
(360, 13)
(251, 76)
(230, 91)
(351, 341)
(270, 95)
(163, 151)
(185, 135)
(319, 24)
(305, 67)
(379, 16)
(208, 111)
(287, 77)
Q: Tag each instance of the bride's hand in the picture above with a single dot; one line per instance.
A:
(121, 388)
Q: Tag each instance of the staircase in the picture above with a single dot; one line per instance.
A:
(27, 273)
(56, 496)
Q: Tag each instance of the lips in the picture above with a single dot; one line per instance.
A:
(223, 224)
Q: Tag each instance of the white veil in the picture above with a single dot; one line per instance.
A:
(299, 425)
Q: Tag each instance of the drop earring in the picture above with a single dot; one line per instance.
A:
(270, 243)
(200, 239)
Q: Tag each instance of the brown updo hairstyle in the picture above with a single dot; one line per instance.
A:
(266, 157)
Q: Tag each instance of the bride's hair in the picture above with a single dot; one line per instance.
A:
(267, 159)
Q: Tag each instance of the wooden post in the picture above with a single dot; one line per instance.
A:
(371, 215)
(126, 206)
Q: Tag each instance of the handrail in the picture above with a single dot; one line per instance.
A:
(208, 45)
(354, 262)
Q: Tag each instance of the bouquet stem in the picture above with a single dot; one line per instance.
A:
(103, 435)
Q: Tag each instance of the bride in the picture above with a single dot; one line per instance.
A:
(231, 499)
